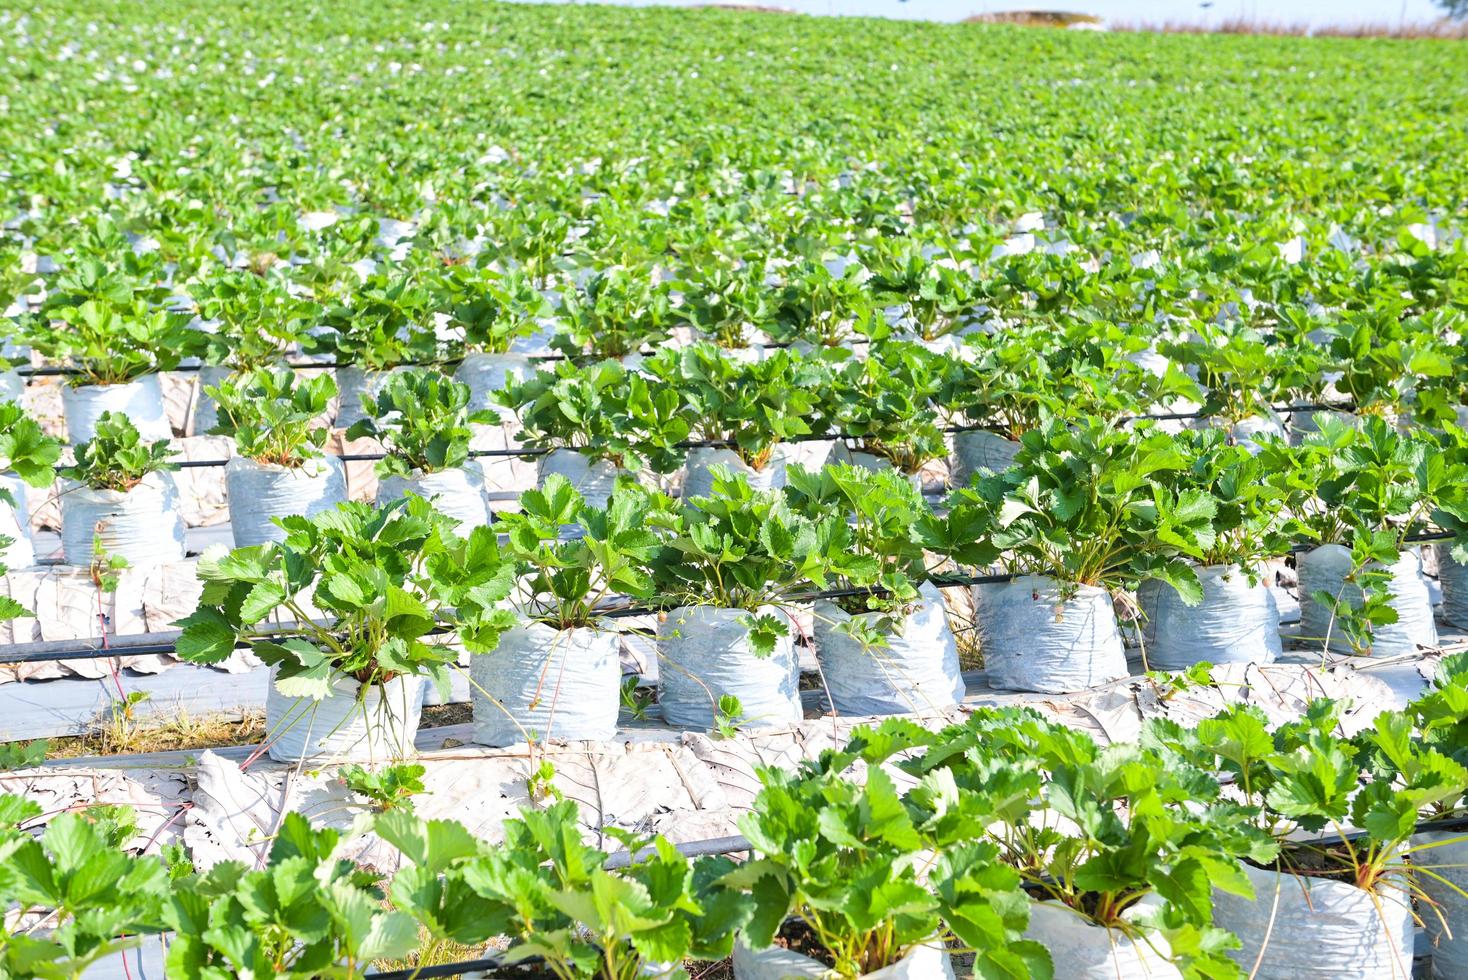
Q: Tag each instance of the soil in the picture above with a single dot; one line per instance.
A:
(795, 935)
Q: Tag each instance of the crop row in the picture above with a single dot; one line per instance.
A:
(1015, 842)
(1178, 525)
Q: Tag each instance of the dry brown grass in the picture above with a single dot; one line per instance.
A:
(1034, 18)
(119, 734)
(1440, 30)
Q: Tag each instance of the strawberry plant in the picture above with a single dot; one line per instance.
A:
(889, 527)
(117, 458)
(602, 411)
(618, 312)
(386, 578)
(306, 913)
(25, 449)
(559, 901)
(750, 407)
(423, 421)
(742, 549)
(884, 405)
(380, 324)
(274, 415)
(566, 583)
(389, 788)
(253, 320)
(108, 345)
(838, 858)
(490, 310)
(75, 895)
(1081, 506)
(726, 305)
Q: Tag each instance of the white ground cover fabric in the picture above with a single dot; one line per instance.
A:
(685, 785)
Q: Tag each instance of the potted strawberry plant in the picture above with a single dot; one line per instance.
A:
(346, 681)
(1334, 903)
(371, 330)
(1451, 515)
(1361, 491)
(614, 316)
(305, 912)
(1440, 856)
(883, 405)
(27, 459)
(557, 672)
(585, 422)
(564, 907)
(932, 295)
(1221, 512)
(727, 305)
(886, 648)
(119, 496)
(1074, 520)
(490, 312)
(730, 571)
(1240, 377)
(1121, 848)
(423, 421)
(275, 417)
(77, 897)
(839, 887)
(116, 340)
(820, 305)
(250, 321)
(749, 410)
(1003, 390)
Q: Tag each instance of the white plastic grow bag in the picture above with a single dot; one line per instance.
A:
(593, 479)
(980, 449)
(12, 385)
(1082, 950)
(486, 374)
(261, 491)
(916, 670)
(15, 524)
(871, 461)
(699, 477)
(458, 493)
(1447, 856)
(353, 383)
(140, 400)
(703, 654)
(1324, 569)
(143, 525)
(1235, 623)
(1303, 424)
(377, 725)
(1452, 575)
(1317, 928)
(206, 409)
(548, 683)
(1033, 638)
(777, 963)
(1252, 433)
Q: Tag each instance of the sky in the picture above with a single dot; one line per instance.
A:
(1316, 13)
